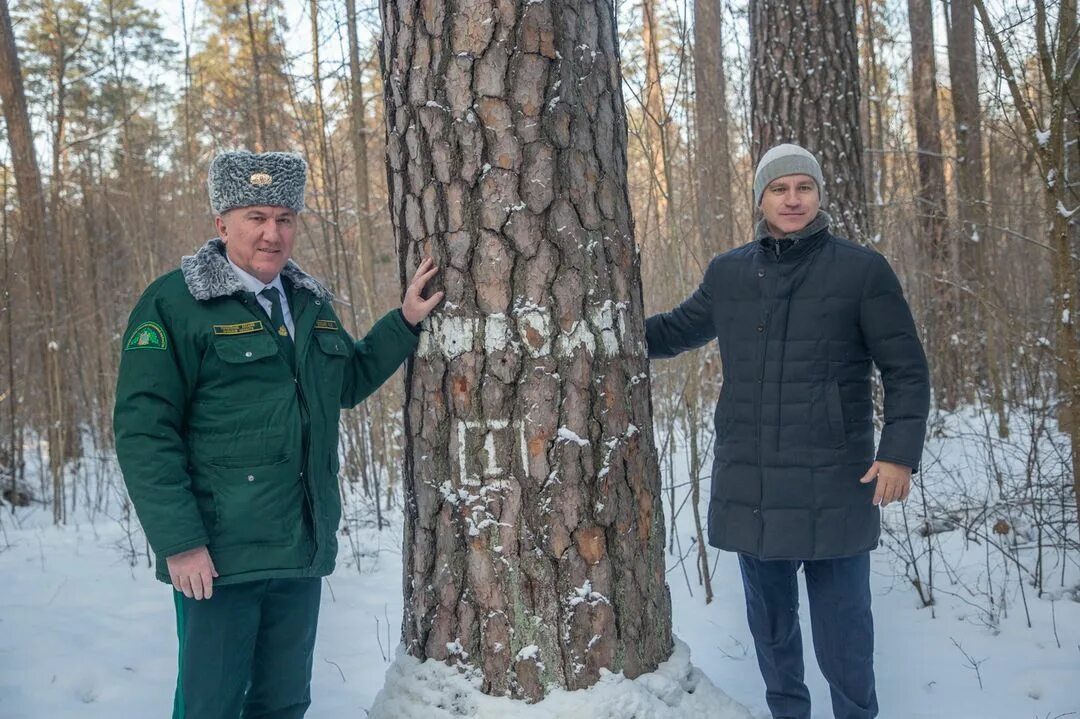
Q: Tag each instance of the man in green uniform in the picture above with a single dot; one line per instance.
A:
(232, 376)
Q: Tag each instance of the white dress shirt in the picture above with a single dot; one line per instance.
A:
(254, 284)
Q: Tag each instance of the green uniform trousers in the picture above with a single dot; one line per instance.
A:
(246, 652)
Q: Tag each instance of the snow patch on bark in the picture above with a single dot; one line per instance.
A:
(578, 336)
(496, 333)
(434, 690)
(568, 435)
(448, 336)
(605, 333)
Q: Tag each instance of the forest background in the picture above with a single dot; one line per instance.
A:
(966, 176)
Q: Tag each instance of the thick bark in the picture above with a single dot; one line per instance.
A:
(714, 208)
(804, 81)
(534, 533)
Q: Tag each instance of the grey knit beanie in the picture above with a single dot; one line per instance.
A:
(787, 159)
(243, 179)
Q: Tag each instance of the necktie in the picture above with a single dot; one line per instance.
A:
(277, 317)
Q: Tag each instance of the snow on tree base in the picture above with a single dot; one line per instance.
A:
(433, 690)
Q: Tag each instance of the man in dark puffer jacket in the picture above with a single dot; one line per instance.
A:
(801, 317)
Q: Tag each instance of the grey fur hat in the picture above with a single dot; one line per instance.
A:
(783, 160)
(243, 179)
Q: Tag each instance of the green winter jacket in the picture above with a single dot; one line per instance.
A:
(226, 435)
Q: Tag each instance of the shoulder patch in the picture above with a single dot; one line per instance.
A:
(326, 325)
(147, 336)
(239, 329)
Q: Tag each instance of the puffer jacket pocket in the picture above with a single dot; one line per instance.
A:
(834, 407)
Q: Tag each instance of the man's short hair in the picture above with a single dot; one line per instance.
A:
(243, 179)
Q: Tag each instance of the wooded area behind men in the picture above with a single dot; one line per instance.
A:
(957, 156)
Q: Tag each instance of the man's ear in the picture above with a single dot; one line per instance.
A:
(222, 230)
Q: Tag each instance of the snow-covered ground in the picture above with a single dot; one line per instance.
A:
(84, 634)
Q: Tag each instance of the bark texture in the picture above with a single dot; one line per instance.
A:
(534, 532)
(804, 78)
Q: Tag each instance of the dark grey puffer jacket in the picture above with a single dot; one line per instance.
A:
(798, 331)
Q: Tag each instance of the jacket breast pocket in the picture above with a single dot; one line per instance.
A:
(332, 344)
(245, 349)
(330, 356)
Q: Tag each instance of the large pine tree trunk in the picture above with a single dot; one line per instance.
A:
(804, 78)
(534, 533)
(714, 213)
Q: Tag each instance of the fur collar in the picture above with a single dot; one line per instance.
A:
(209, 275)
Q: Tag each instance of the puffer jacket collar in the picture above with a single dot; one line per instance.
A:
(799, 243)
(208, 274)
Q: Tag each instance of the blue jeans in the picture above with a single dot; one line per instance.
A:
(843, 630)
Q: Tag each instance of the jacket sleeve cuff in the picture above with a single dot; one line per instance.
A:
(179, 547)
(415, 329)
(913, 466)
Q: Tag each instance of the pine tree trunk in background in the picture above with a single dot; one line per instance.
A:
(974, 238)
(1063, 211)
(534, 532)
(34, 231)
(358, 134)
(365, 253)
(971, 185)
(804, 78)
(256, 82)
(931, 208)
(872, 122)
(655, 128)
(714, 210)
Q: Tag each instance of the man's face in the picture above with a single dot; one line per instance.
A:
(258, 239)
(790, 203)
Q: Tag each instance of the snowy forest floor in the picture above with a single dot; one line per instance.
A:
(84, 633)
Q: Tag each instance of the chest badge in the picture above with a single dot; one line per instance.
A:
(326, 325)
(242, 328)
